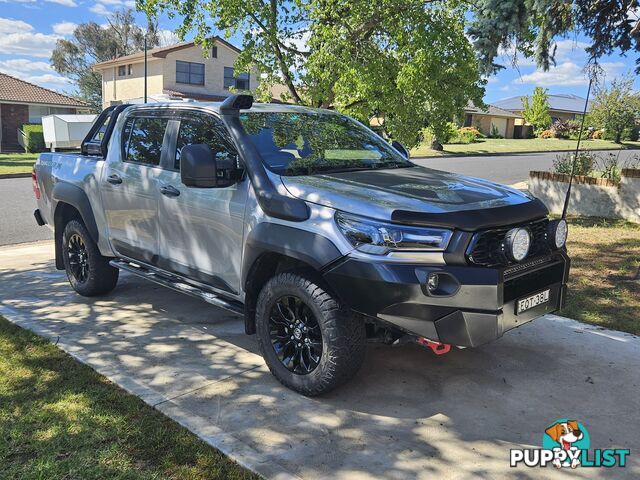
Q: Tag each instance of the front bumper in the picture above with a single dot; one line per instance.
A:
(482, 308)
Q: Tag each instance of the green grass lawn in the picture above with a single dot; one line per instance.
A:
(604, 283)
(61, 420)
(501, 145)
(17, 162)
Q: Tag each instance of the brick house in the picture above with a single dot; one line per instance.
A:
(23, 102)
(492, 120)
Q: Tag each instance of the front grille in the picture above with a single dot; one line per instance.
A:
(533, 282)
(488, 248)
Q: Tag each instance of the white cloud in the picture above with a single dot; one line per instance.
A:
(564, 74)
(66, 3)
(100, 9)
(48, 79)
(23, 66)
(64, 28)
(8, 25)
(167, 37)
(106, 7)
(30, 44)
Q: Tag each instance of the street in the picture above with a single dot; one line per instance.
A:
(18, 202)
(17, 224)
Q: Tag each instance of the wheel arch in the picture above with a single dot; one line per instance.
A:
(71, 202)
(273, 248)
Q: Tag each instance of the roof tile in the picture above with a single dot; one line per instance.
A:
(15, 90)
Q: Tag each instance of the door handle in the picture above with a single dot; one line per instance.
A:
(169, 191)
(114, 179)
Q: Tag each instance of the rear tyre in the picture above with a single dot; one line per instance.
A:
(309, 341)
(89, 273)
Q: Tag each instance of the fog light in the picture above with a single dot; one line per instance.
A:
(557, 233)
(518, 241)
(433, 282)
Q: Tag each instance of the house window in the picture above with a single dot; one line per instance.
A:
(36, 112)
(124, 70)
(241, 82)
(191, 73)
(214, 52)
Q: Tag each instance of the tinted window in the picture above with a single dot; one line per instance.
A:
(202, 128)
(191, 73)
(293, 143)
(143, 138)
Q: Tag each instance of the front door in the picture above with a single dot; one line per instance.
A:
(130, 190)
(201, 229)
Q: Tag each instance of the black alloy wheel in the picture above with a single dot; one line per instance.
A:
(295, 335)
(78, 258)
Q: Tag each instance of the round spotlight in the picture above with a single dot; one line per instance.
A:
(558, 233)
(518, 241)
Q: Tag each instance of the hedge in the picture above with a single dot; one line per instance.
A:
(34, 138)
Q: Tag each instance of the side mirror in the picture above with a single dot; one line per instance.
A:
(401, 148)
(203, 168)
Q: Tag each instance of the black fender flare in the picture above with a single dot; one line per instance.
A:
(64, 192)
(313, 249)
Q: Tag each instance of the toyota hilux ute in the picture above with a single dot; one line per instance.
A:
(316, 229)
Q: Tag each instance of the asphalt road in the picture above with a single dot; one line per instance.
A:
(17, 201)
(507, 169)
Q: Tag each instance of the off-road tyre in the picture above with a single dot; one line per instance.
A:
(97, 277)
(343, 334)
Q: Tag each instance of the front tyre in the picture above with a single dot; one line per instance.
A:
(89, 273)
(309, 342)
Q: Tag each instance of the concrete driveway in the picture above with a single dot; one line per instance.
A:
(408, 413)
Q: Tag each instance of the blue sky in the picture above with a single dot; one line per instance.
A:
(30, 28)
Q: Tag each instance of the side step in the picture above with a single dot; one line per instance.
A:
(175, 283)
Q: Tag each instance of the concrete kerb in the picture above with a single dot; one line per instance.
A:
(226, 443)
(506, 154)
(15, 175)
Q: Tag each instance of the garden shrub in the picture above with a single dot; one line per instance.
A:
(630, 134)
(597, 135)
(584, 163)
(465, 135)
(34, 138)
(546, 134)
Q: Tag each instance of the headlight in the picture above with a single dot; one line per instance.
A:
(557, 233)
(375, 237)
(518, 241)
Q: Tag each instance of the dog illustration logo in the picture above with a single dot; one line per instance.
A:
(567, 435)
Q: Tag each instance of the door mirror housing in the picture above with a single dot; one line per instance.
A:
(401, 148)
(203, 168)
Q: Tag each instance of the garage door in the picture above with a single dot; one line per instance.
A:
(499, 125)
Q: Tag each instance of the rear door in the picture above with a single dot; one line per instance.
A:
(130, 186)
(201, 228)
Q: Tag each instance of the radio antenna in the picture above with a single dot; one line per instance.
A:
(591, 71)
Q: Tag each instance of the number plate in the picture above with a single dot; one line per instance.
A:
(532, 301)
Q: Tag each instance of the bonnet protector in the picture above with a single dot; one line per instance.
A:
(472, 220)
(272, 203)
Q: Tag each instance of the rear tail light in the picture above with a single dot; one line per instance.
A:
(34, 183)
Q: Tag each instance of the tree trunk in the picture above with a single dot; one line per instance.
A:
(436, 145)
(618, 137)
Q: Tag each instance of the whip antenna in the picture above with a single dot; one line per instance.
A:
(592, 73)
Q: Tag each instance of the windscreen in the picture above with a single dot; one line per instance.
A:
(293, 143)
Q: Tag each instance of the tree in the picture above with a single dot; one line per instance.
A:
(92, 43)
(530, 27)
(409, 61)
(537, 114)
(615, 108)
